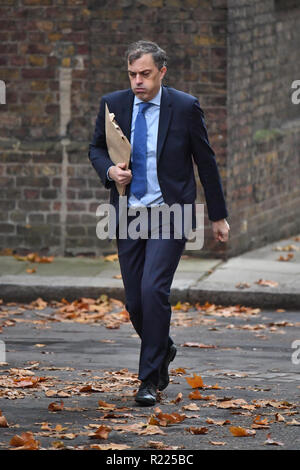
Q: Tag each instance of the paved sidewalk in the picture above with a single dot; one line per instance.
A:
(196, 279)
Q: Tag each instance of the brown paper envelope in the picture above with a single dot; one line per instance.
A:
(118, 146)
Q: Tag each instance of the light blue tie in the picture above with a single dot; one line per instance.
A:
(139, 153)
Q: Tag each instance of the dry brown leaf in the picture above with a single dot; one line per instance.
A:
(58, 444)
(218, 423)
(45, 426)
(153, 421)
(259, 426)
(191, 407)
(101, 433)
(69, 436)
(270, 441)
(259, 423)
(123, 315)
(150, 429)
(214, 387)
(28, 381)
(182, 306)
(294, 422)
(238, 431)
(217, 443)
(124, 428)
(113, 257)
(156, 445)
(30, 270)
(165, 419)
(17, 441)
(287, 247)
(179, 370)
(234, 403)
(236, 374)
(6, 252)
(103, 404)
(46, 259)
(59, 428)
(221, 311)
(114, 416)
(177, 399)
(274, 403)
(195, 430)
(38, 304)
(243, 285)
(21, 372)
(199, 345)
(3, 421)
(139, 428)
(266, 283)
(195, 382)
(110, 446)
(288, 257)
(50, 393)
(34, 258)
(25, 442)
(87, 388)
(196, 395)
(54, 406)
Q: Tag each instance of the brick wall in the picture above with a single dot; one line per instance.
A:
(193, 33)
(58, 57)
(45, 125)
(263, 125)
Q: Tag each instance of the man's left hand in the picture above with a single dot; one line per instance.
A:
(221, 230)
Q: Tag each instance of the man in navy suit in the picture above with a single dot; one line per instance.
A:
(167, 132)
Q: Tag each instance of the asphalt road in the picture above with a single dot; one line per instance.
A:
(249, 356)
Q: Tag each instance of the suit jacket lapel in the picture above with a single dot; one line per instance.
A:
(125, 123)
(164, 120)
(126, 116)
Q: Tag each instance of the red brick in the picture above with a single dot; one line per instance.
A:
(45, 73)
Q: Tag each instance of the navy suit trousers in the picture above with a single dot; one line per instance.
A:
(148, 267)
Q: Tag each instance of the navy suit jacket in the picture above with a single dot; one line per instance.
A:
(182, 135)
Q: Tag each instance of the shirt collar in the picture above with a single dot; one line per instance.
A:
(155, 100)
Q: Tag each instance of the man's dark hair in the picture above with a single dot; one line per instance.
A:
(139, 48)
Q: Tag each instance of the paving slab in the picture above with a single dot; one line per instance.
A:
(195, 280)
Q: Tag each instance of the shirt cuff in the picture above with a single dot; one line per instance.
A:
(108, 177)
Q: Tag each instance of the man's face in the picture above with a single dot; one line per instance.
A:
(145, 78)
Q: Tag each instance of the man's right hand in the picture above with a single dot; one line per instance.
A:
(120, 174)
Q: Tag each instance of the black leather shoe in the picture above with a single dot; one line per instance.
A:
(164, 371)
(146, 394)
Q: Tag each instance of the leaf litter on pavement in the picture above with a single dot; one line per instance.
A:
(116, 413)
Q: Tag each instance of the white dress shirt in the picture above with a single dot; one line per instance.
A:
(153, 195)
